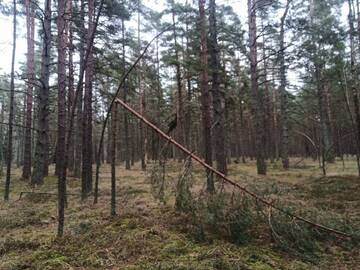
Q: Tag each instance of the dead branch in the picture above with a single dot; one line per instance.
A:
(225, 178)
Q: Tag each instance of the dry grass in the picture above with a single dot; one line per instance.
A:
(149, 235)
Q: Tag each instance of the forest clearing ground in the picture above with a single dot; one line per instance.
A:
(147, 234)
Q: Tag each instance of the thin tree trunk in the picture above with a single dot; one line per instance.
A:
(30, 70)
(353, 81)
(11, 110)
(113, 160)
(180, 105)
(284, 134)
(257, 104)
(70, 80)
(143, 141)
(217, 92)
(78, 140)
(86, 176)
(126, 114)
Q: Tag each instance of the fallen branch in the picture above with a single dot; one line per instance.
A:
(224, 177)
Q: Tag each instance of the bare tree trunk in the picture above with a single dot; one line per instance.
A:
(205, 96)
(257, 104)
(353, 81)
(86, 176)
(30, 70)
(180, 105)
(143, 141)
(284, 134)
(70, 79)
(60, 159)
(126, 114)
(41, 160)
(78, 140)
(11, 110)
(113, 160)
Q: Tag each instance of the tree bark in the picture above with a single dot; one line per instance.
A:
(217, 92)
(257, 104)
(70, 103)
(87, 155)
(11, 110)
(353, 81)
(60, 160)
(30, 75)
(205, 96)
(113, 160)
(284, 133)
(41, 160)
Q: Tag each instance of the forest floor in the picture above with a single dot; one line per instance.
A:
(147, 234)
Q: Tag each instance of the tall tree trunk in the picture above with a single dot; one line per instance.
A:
(217, 92)
(11, 110)
(60, 159)
(143, 141)
(30, 72)
(113, 160)
(188, 125)
(78, 140)
(205, 96)
(179, 102)
(41, 160)
(70, 103)
(87, 155)
(353, 81)
(126, 114)
(257, 104)
(284, 134)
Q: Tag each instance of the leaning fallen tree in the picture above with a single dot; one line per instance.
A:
(224, 177)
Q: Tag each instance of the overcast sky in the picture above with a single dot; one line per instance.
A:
(6, 31)
(239, 7)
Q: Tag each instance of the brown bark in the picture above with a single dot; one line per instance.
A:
(86, 176)
(353, 81)
(217, 92)
(126, 116)
(143, 140)
(113, 160)
(70, 79)
(284, 134)
(257, 104)
(41, 160)
(60, 159)
(205, 96)
(179, 102)
(11, 110)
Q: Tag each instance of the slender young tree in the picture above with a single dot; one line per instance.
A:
(11, 110)
(113, 159)
(284, 134)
